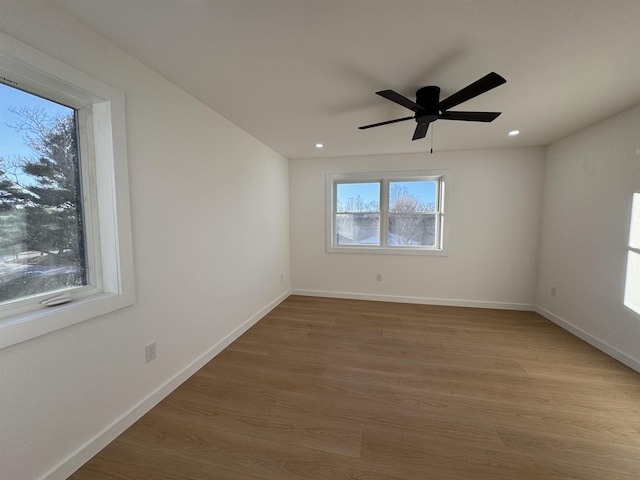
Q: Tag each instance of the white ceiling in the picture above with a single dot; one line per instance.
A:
(293, 72)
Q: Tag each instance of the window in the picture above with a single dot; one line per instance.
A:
(42, 248)
(357, 218)
(65, 247)
(632, 284)
(391, 212)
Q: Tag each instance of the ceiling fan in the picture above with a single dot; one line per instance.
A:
(428, 107)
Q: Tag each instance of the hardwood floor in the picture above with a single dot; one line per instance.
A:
(343, 389)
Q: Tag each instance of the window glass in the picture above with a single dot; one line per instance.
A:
(41, 221)
(632, 283)
(358, 197)
(357, 214)
(412, 213)
(634, 228)
(413, 196)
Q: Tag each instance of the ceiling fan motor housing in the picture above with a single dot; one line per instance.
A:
(428, 99)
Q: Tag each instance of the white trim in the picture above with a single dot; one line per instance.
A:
(93, 446)
(448, 302)
(601, 345)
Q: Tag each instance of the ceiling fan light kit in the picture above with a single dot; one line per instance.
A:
(428, 108)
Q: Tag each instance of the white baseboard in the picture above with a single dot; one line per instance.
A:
(87, 451)
(419, 300)
(622, 357)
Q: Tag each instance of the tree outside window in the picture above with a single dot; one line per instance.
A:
(41, 234)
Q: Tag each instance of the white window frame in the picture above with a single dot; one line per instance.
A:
(105, 183)
(443, 177)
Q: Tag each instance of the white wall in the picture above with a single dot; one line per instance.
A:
(494, 219)
(590, 178)
(211, 238)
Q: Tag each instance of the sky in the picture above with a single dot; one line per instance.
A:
(11, 142)
(423, 191)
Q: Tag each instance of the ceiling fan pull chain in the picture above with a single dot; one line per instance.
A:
(432, 129)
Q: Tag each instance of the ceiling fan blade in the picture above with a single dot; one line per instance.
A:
(385, 123)
(486, 83)
(470, 116)
(399, 99)
(420, 131)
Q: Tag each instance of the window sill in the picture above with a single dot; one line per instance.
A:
(20, 328)
(437, 252)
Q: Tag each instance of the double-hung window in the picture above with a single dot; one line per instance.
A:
(65, 245)
(386, 212)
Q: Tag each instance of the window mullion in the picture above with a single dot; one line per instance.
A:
(384, 213)
(334, 213)
(439, 198)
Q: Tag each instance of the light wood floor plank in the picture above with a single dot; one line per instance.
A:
(346, 389)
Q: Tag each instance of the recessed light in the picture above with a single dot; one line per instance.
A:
(513, 133)
(319, 145)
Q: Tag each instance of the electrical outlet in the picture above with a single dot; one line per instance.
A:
(553, 291)
(149, 352)
(378, 277)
